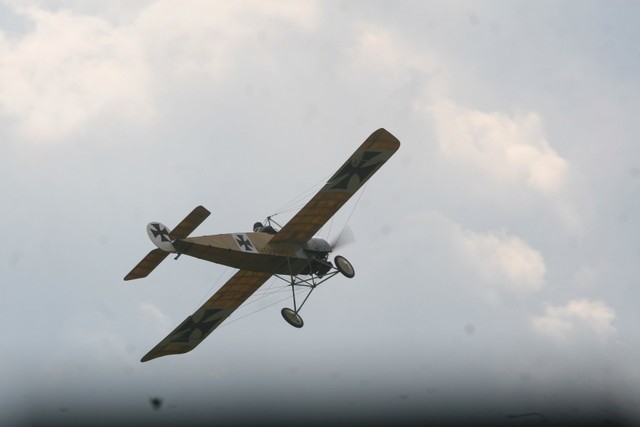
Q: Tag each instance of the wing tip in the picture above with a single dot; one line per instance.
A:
(132, 276)
(202, 209)
(382, 132)
(153, 354)
(157, 352)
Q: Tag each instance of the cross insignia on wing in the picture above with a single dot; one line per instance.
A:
(205, 324)
(362, 168)
(160, 230)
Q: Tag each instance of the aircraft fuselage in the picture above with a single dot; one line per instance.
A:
(254, 251)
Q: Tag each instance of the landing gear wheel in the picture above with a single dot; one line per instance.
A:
(344, 266)
(292, 318)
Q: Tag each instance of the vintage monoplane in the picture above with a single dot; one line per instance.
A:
(291, 253)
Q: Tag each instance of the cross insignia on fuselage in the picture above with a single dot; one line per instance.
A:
(244, 243)
(160, 230)
(361, 169)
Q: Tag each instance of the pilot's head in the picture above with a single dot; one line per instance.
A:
(257, 226)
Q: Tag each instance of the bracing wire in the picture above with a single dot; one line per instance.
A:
(364, 188)
(300, 197)
(296, 203)
(228, 322)
(266, 292)
(299, 201)
(330, 225)
(261, 297)
(214, 284)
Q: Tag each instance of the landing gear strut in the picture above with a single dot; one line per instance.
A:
(292, 316)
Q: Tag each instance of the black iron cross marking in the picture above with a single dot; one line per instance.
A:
(360, 169)
(159, 230)
(244, 243)
(205, 325)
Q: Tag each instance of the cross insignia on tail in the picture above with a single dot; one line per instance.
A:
(289, 254)
(160, 230)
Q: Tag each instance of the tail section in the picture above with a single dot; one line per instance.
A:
(163, 238)
(190, 223)
(159, 235)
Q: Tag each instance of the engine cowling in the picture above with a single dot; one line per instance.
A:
(159, 235)
(316, 244)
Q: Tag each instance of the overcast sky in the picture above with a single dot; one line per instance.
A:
(496, 255)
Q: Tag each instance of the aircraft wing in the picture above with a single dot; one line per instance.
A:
(200, 324)
(366, 160)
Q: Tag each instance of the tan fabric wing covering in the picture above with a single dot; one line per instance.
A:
(364, 162)
(351, 176)
(198, 326)
(190, 223)
(147, 265)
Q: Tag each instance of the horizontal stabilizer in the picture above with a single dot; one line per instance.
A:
(147, 265)
(190, 223)
(162, 237)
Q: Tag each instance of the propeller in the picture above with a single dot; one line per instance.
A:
(345, 238)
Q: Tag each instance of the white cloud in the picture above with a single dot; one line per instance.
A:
(211, 37)
(378, 49)
(494, 263)
(68, 70)
(73, 68)
(492, 154)
(501, 261)
(560, 322)
(506, 149)
(160, 320)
